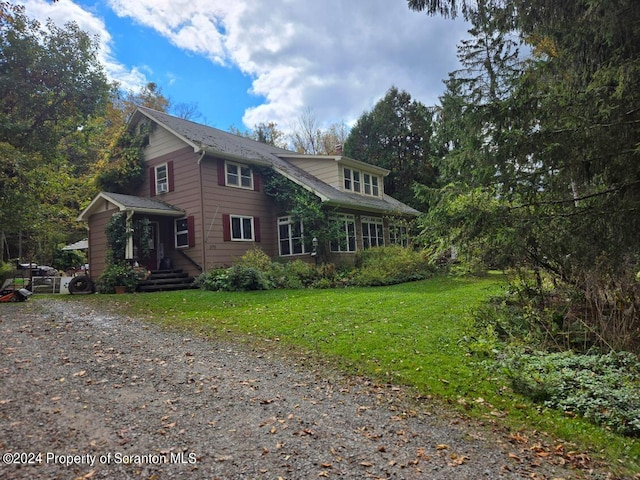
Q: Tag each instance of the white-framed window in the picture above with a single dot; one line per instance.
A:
(290, 236)
(372, 232)
(242, 228)
(162, 178)
(361, 182)
(346, 241)
(371, 186)
(356, 181)
(238, 175)
(347, 179)
(182, 233)
(399, 234)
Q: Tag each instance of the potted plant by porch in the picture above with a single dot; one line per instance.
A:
(117, 278)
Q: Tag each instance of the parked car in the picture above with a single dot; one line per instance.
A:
(38, 270)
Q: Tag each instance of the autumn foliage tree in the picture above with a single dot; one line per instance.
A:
(51, 86)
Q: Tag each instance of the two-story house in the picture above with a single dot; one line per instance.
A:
(206, 204)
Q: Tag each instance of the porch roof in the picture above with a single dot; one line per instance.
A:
(130, 203)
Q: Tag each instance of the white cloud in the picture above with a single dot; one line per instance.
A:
(335, 57)
(198, 26)
(63, 11)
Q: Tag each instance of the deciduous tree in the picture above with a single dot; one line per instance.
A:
(51, 87)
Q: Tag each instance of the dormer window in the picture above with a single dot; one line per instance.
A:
(356, 181)
(360, 182)
(348, 181)
(371, 185)
(238, 175)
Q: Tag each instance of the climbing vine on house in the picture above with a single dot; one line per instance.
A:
(301, 204)
(118, 236)
(123, 171)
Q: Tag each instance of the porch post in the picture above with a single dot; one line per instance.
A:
(128, 252)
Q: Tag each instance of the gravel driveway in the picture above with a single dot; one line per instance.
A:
(90, 395)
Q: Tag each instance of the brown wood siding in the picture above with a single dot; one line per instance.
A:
(221, 200)
(185, 195)
(98, 242)
(163, 142)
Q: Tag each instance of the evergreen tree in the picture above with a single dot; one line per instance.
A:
(543, 153)
(396, 135)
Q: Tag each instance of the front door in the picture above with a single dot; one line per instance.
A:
(152, 261)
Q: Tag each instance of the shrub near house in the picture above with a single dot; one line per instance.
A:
(374, 267)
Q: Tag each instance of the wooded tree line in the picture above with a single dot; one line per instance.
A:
(540, 164)
(59, 120)
(530, 159)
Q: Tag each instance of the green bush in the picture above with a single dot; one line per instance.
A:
(375, 266)
(242, 278)
(301, 272)
(390, 265)
(214, 280)
(605, 389)
(282, 276)
(256, 258)
(238, 278)
(117, 275)
(64, 259)
(6, 271)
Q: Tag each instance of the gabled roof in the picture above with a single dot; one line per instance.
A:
(219, 143)
(130, 203)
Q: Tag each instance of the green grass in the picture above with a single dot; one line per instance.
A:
(409, 334)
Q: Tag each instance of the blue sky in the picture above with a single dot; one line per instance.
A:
(242, 62)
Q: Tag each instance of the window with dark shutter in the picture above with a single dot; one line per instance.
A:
(226, 227)
(240, 228)
(170, 178)
(152, 181)
(221, 173)
(182, 233)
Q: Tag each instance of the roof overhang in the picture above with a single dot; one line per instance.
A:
(381, 210)
(347, 161)
(151, 207)
(79, 245)
(253, 160)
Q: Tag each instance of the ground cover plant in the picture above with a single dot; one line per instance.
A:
(602, 388)
(413, 334)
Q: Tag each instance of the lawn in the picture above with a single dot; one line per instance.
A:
(410, 334)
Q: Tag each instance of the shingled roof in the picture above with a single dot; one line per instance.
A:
(219, 143)
(130, 203)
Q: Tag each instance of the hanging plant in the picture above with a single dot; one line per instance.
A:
(124, 171)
